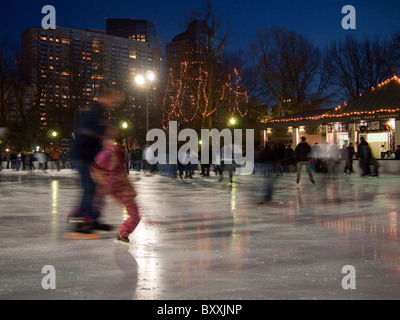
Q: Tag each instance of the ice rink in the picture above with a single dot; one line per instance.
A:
(204, 239)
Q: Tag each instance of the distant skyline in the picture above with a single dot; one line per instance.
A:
(318, 20)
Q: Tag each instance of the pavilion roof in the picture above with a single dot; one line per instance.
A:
(383, 99)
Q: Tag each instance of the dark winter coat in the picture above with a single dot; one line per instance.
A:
(268, 155)
(350, 154)
(87, 143)
(302, 151)
(364, 152)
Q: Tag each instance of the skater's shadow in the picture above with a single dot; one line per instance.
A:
(126, 287)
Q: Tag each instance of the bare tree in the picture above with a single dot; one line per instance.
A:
(291, 69)
(5, 83)
(357, 66)
(206, 88)
(395, 50)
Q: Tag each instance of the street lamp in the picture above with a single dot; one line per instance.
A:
(124, 126)
(232, 121)
(54, 134)
(141, 80)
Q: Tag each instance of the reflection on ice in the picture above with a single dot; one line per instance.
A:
(201, 239)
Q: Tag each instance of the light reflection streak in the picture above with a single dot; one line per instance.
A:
(343, 226)
(54, 205)
(144, 241)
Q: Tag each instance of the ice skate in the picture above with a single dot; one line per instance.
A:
(82, 236)
(82, 231)
(121, 240)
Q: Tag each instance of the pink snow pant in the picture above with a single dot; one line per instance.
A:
(122, 191)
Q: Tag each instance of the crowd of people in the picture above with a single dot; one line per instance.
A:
(35, 160)
(104, 164)
(323, 158)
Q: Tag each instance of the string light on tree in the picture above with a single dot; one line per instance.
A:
(188, 97)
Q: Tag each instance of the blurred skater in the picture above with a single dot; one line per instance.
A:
(86, 146)
(227, 162)
(109, 173)
(302, 155)
(364, 153)
(269, 160)
(333, 161)
(349, 156)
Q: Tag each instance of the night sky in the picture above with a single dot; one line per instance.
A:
(319, 20)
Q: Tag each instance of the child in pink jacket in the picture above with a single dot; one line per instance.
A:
(109, 173)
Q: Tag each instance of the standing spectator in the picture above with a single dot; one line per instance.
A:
(302, 154)
(23, 157)
(47, 159)
(349, 156)
(126, 159)
(138, 159)
(8, 159)
(132, 160)
(364, 153)
(383, 152)
(18, 161)
(397, 153)
(31, 164)
(63, 157)
(13, 158)
(55, 160)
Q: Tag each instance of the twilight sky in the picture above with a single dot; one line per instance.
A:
(319, 20)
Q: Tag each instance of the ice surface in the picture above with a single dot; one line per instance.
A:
(204, 239)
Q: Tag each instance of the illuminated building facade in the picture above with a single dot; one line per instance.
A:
(185, 47)
(66, 68)
(138, 30)
(375, 115)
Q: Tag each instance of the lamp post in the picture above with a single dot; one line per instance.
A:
(142, 80)
(124, 126)
(54, 135)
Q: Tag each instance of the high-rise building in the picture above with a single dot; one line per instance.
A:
(139, 30)
(67, 67)
(185, 46)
